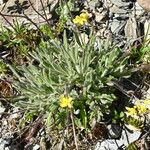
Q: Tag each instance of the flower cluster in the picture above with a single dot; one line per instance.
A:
(65, 101)
(82, 19)
(134, 115)
(136, 110)
(140, 108)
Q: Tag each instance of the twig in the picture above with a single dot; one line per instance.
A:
(3, 7)
(12, 15)
(4, 16)
(74, 132)
(34, 128)
(45, 18)
(25, 16)
(126, 135)
(44, 10)
(29, 131)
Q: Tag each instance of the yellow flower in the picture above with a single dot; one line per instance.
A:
(82, 19)
(141, 109)
(131, 111)
(84, 16)
(65, 101)
(78, 20)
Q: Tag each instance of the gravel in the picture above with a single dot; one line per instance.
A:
(112, 144)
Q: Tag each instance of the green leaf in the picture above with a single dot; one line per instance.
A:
(83, 117)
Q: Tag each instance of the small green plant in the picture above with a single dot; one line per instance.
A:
(3, 68)
(118, 117)
(64, 11)
(19, 40)
(69, 81)
(47, 31)
(133, 146)
(141, 53)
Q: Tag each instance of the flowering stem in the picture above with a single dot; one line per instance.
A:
(74, 132)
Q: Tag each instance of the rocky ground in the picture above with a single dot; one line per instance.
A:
(124, 21)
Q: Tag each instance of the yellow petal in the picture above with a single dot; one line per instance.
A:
(141, 109)
(80, 20)
(76, 20)
(147, 101)
(84, 15)
(131, 111)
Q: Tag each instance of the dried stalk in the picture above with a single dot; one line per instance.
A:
(74, 132)
(35, 127)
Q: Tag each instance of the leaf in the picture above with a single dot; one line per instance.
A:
(77, 39)
(83, 117)
(65, 41)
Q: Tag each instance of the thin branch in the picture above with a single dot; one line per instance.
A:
(12, 15)
(3, 7)
(126, 135)
(44, 10)
(38, 12)
(74, 132)
(25, 16)
(34, 128)
(4, 16)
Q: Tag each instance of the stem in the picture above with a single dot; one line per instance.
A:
(44, 10)
(74, 132)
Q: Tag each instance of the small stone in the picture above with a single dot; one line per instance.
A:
(117, 26)
(130, 29)
(3, 144)
(36, 147)
(114, 130)
(123, 141)
(91, 4)
(99, 17)
(7, 148)
(116, 9)
(120, 3)
(148, 94)
(5, 123)
(2, 109)
(1, 2)
(145, 4)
